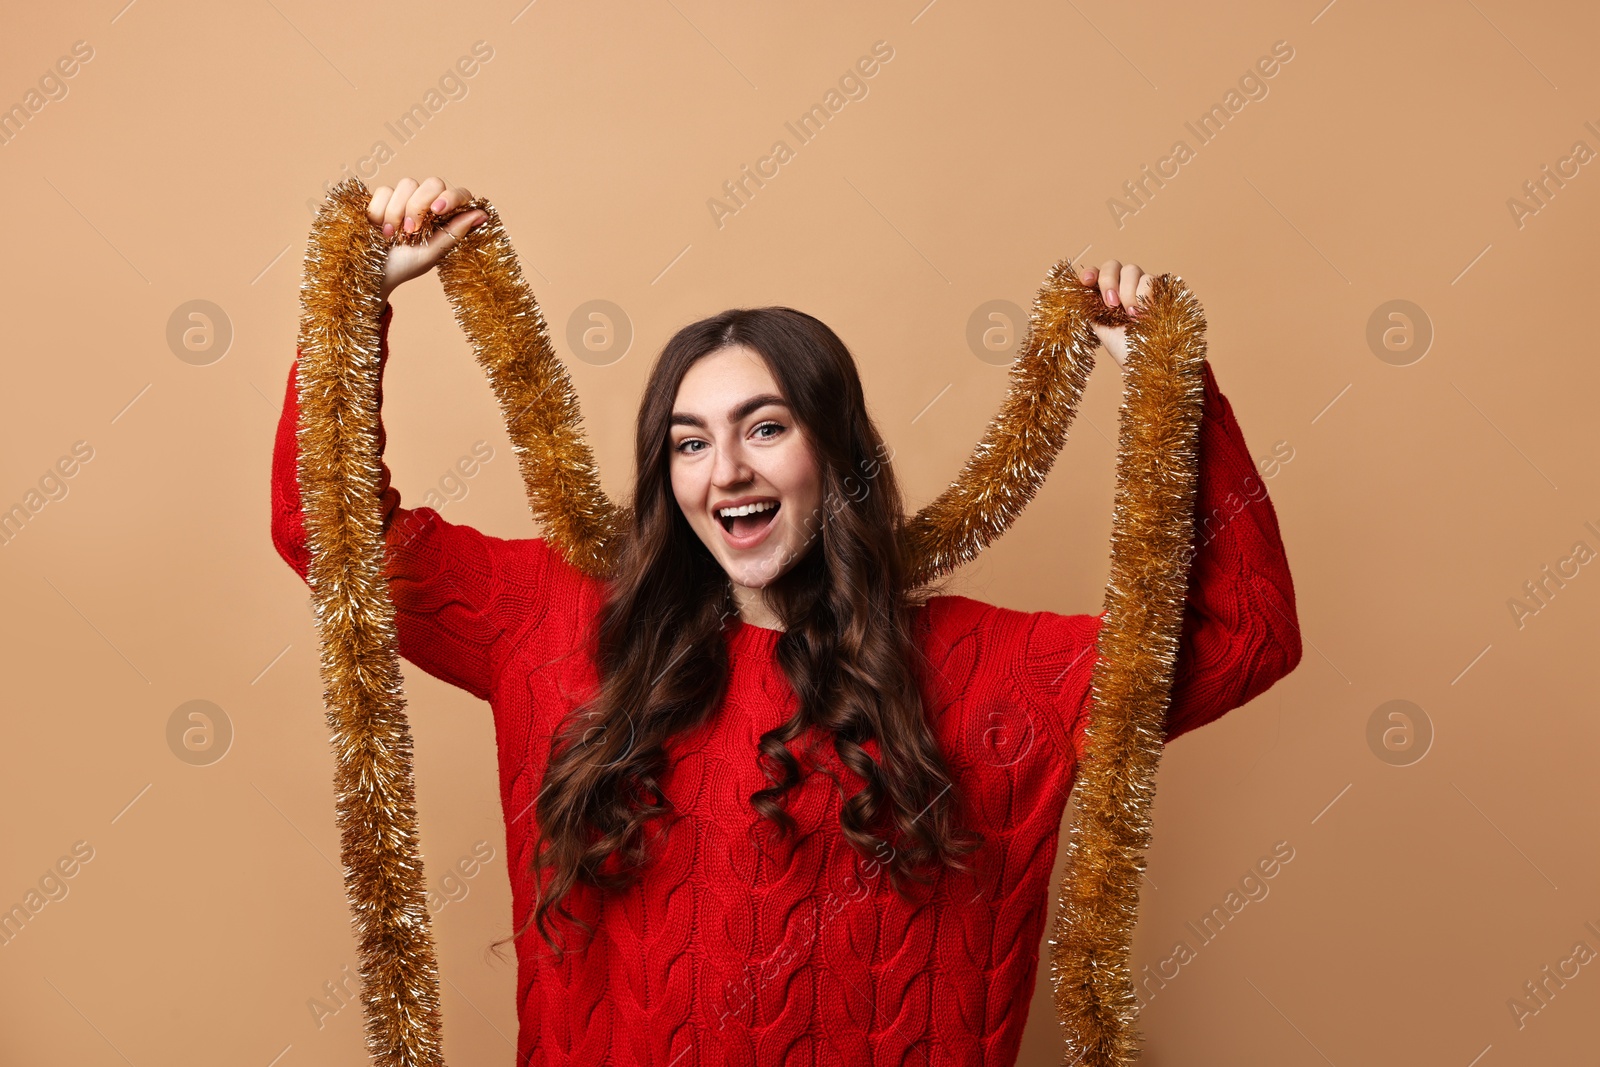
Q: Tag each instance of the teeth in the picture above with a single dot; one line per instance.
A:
(748, 509)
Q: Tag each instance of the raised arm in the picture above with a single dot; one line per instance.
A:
(1240, 630)
(455, 590)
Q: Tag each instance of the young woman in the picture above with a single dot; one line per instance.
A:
(764, 805)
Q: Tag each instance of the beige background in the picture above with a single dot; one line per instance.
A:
(1378, 166)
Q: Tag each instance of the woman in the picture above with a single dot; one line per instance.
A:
(763, 804)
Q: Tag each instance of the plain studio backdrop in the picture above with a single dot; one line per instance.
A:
(1386, 211)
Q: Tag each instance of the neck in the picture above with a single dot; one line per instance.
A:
(753, 607)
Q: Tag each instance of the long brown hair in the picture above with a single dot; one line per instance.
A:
(848, 646)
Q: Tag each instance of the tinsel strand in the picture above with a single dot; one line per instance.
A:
(1131, 686)
(340, 472)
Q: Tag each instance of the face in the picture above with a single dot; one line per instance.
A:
(735, 442)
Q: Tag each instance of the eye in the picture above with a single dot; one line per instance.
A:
(778, 426)
(683, 446)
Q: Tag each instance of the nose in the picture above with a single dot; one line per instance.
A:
(730, 467)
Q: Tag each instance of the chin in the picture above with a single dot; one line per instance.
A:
(759, 573)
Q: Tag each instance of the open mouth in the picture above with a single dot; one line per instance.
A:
(749, 521)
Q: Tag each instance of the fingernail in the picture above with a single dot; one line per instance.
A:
(388, 229)
(1111, 297)
(438, 205)
(411, 223)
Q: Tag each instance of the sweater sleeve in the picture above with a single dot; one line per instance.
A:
(448, 582)
(1240, 630)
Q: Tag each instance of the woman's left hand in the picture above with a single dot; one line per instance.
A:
(1121, 285)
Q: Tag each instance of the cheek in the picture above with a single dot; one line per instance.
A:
(683, 488)
(802, 478)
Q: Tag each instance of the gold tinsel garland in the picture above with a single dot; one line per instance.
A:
(1137, 644)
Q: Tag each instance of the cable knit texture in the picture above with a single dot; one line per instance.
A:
(727, 953)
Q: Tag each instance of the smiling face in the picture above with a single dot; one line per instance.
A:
(735, 444)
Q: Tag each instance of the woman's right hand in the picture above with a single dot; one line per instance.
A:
(399, 209)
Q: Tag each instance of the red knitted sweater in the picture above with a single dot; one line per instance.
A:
(727, 955)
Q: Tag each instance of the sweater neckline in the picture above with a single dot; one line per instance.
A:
(749, 633)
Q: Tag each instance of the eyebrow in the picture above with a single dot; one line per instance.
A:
(738, 412)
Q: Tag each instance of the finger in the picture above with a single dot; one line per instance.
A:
(459, 226)
(421, 197)
(1110, 273)
(394, 212)
(380, 199)
(1129, 283)
(1146, 283)
(449, 200)
(450, 234)
(1088, 275)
